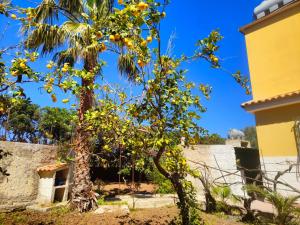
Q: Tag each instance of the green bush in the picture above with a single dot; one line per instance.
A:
(287, 211)
(164, 186)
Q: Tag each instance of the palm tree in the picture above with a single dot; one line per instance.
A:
(77, 36)
(287, 212)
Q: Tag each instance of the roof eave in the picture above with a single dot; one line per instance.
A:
(245, 29)
(270, 104)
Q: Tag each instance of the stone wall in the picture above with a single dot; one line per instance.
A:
(21, 186)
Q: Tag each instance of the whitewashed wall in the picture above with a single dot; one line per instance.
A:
(223, 157)
(271, 166)
(216, 156)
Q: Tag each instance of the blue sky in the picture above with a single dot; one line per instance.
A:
(189, 20)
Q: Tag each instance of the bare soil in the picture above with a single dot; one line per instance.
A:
(159, 216)
(116, 188)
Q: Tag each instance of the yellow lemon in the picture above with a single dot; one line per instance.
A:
(144, 43)
(143, 6)
(99, 34)
(126, 40)
(215, 59)
(65, 100)
(49, 66)
(13, 16)
(14, 73)
(117, 37)
(103, 47)
(54, 99)
(64, 70)
(22, 65)
(111, 37)
(149, 38)
(141, 63)
(129, 44)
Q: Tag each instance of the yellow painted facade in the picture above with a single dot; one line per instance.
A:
(273, 47)
(275, 130)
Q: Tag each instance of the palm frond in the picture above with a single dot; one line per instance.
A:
(91, 50)
(74, 28)
(100, 8)
(47, 37)
(127, 66)
(74, 7)
(67, 56)
(79, 35)
(256, 189)
(94, 4)
(46, 12)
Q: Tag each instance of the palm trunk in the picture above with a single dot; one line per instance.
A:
(83, 197)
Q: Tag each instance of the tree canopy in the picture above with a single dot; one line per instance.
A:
(156, 122)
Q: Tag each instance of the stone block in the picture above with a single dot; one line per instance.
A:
(117, 209)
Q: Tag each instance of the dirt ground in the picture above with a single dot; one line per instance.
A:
(116, 188)
(160, 216)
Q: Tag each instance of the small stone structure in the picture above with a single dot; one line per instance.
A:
(55, 183)
(238, 143)
(20, 188)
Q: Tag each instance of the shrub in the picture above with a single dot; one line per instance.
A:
(164, 186)
(287, 212)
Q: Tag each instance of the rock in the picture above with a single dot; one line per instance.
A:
(121, 210)
(13, 207)
(45, 208)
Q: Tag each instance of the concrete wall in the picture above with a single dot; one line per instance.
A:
(271, 165)
(225, 156)
(21, 186)
(216, 156)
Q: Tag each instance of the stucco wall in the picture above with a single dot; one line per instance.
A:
(46, 186)
(21, 186)
(273, 53)
(280, 163)
(275, 131)
(215, 156)
(225, 156)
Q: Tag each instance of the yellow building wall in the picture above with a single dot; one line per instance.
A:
(273, 48)
(275, 130)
